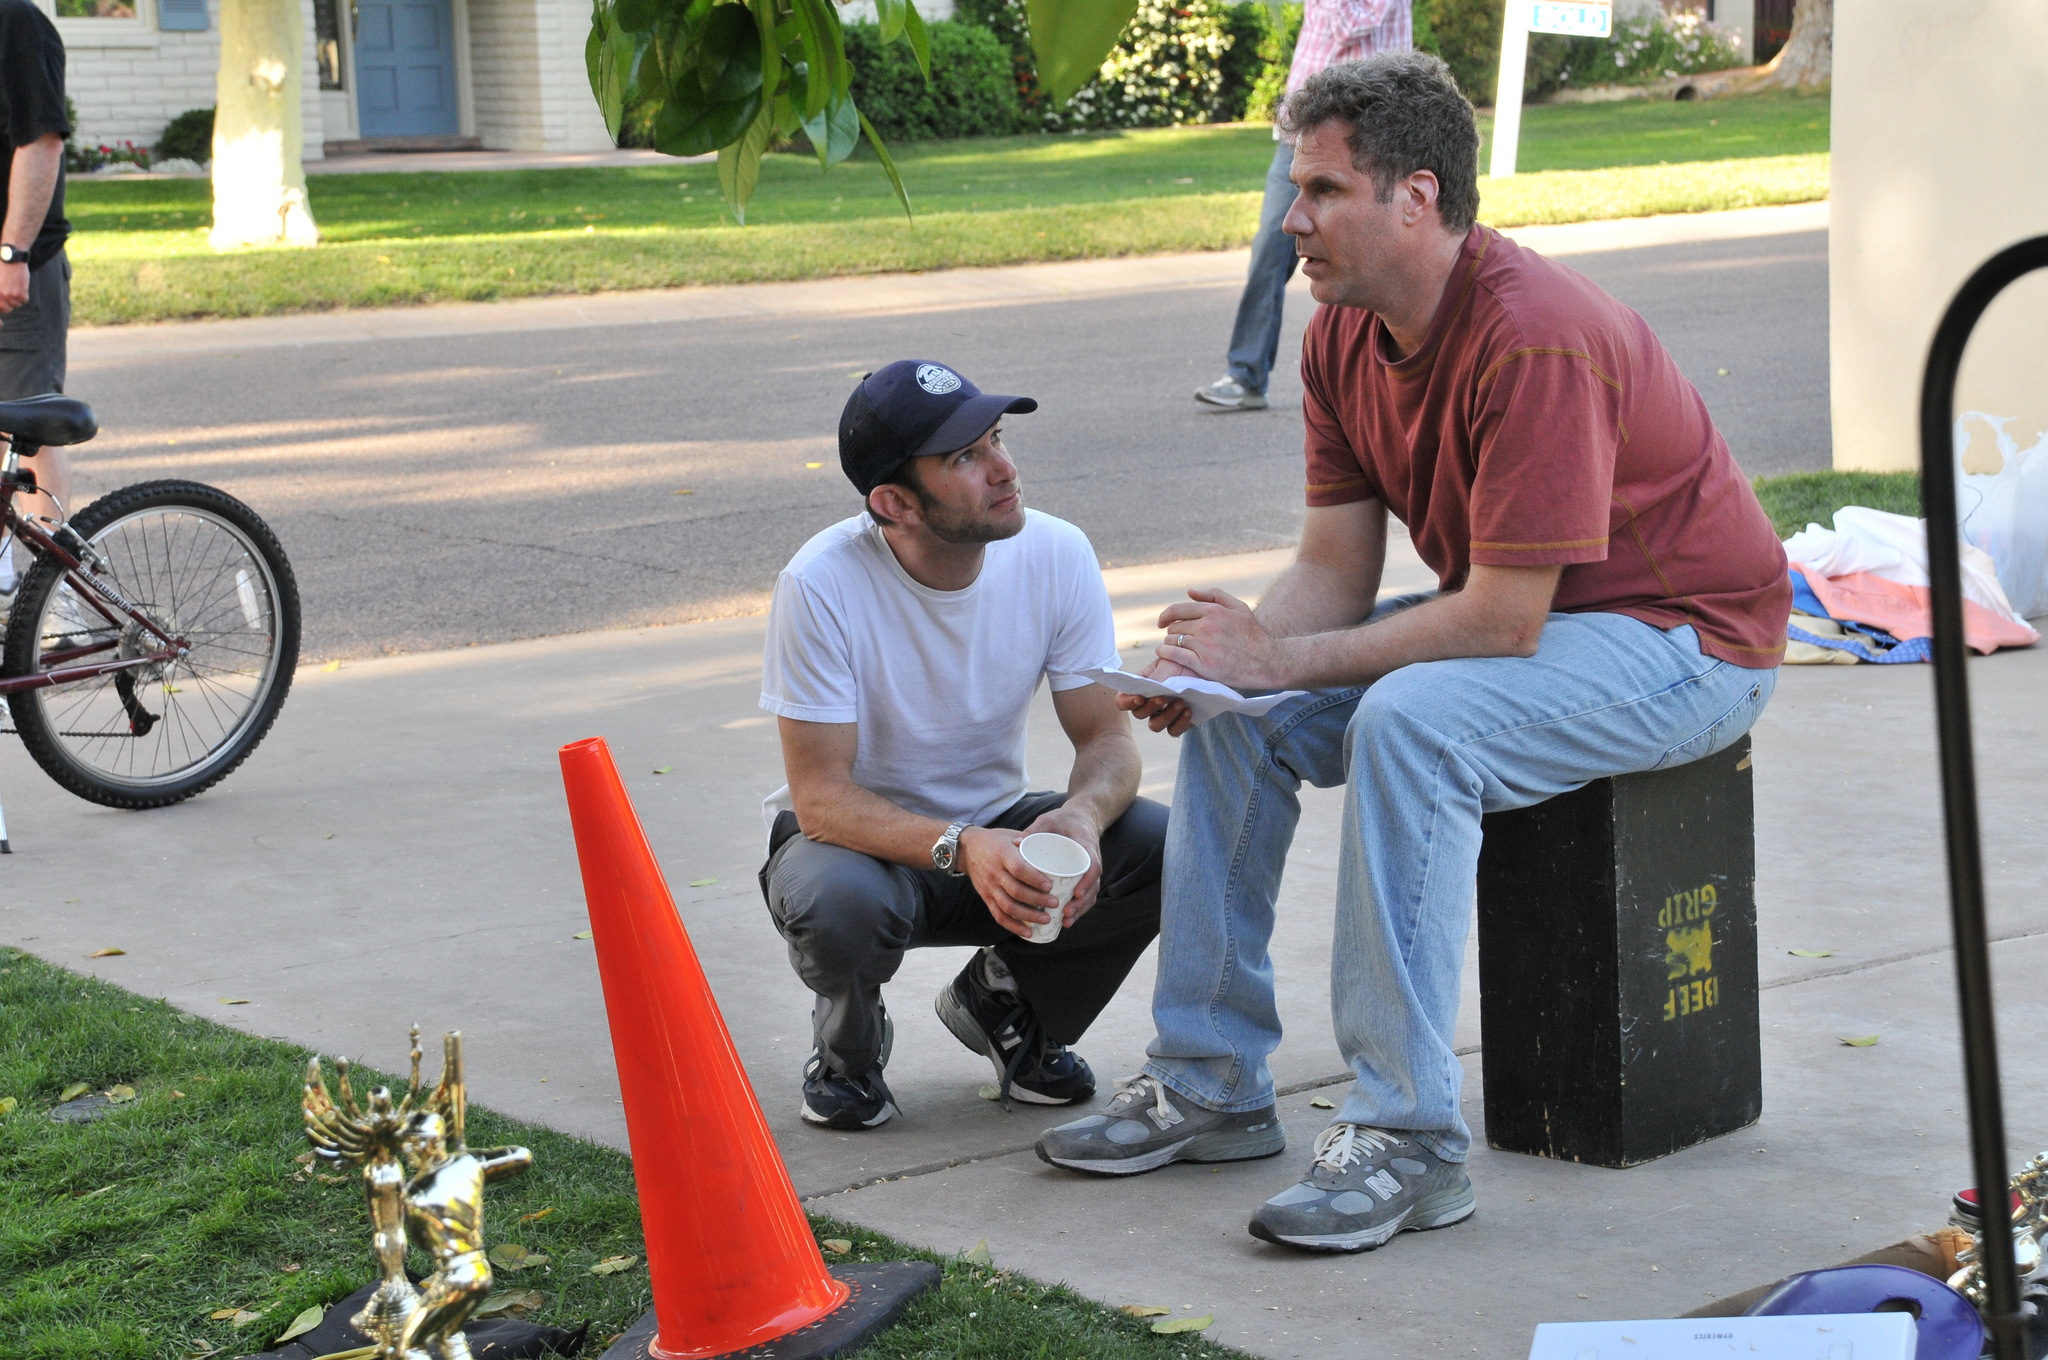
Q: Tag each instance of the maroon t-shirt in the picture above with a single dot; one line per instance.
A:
(1542, 423)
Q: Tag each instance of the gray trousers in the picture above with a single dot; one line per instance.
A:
(848, 917)
(33, 335)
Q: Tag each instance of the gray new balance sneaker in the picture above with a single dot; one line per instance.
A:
(1230, 392)
(1146, 1126)
(1364, 1186)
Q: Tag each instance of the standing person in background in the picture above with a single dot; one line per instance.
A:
(35, 278)
(1331, 31)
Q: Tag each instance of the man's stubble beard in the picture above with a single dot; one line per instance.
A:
(963, 530)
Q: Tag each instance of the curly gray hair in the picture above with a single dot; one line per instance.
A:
(1405, 113)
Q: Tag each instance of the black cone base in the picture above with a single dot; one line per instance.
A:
(880, 1294)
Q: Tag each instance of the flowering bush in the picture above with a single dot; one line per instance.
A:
(83, 159)
(1166, 70)
(1171, 66)
(1651, 47)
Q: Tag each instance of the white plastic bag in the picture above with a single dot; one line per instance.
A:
(2005, 512)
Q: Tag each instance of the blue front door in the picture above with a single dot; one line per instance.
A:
(405, 68)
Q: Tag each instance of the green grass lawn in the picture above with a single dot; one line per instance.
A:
(140, 252)
(1802, 498)
(119, 1239)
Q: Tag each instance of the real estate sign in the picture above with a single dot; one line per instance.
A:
(1576, 18)
(1595, 20)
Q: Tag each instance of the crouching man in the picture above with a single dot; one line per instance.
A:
(904, 647)
(1612, 599)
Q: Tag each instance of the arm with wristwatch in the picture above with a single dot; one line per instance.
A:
(818, 760)
(31, 181)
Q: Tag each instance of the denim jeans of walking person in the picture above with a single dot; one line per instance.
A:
(1255, 339)
(1423, 754)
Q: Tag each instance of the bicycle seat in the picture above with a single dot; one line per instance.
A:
(51, 419)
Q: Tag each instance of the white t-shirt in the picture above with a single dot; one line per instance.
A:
(939, 681)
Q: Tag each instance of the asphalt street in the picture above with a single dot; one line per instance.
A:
(439, 490)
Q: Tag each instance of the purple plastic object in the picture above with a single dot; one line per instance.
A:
(1949, 1326)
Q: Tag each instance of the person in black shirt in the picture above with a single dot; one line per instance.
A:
(35, 277)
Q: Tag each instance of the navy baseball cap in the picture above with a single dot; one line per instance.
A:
(909, 409)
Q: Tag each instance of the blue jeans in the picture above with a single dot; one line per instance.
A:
(1422, 754)
(1255, 339)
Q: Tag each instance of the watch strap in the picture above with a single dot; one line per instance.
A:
(946, 850)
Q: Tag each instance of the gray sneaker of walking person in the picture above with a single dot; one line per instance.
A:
(1146, 1126)
(1231, 393)
(1364, 1186)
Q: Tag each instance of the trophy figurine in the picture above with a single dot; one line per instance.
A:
(439, 1209)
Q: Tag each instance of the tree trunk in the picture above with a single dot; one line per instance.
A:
(1807, 59)
(259, 186)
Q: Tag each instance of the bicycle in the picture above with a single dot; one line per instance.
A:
(152, 642)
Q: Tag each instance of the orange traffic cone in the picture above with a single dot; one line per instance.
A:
(729, 1251)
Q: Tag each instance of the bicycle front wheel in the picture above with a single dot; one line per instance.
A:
(205, 568)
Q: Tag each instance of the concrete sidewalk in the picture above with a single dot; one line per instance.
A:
(398, 851)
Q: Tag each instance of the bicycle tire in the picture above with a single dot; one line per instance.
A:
(206, 567)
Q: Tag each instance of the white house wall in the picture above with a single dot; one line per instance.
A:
(528, 86)
(128, 81)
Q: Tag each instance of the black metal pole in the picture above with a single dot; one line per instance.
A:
(1959, 782)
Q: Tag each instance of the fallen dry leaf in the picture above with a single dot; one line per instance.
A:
(291, 1267)
(612, 1265)
(234, 1001)
(223, 1314)
(509, 1301)
(303, 1323)
(109, 952)
(663, 769)
(512, 1256)
(682, 492)
(976, 1255)
(1146, 1309)
(1860, 1040)
(1811, 953)
(814, 465)
(177, 1094)
(73, 1091)
(1168, 1326)
(537, 1215)
(580, 935)
(990, 1091)
(8, 1104)
(120, 1095)
(702, 882)
(1323, 1103)
(838, 1246)
(331, 666)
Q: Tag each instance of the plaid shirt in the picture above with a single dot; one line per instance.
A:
(1348, 30)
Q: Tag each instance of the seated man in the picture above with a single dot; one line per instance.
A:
(1612, 599)
(904, 646)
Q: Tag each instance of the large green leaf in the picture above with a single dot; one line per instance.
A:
(889, 18)
(1072, 37)
(920, 39)
(835, 131)
(609, 55)
(888, 165)
(685, 129)
(739, 165)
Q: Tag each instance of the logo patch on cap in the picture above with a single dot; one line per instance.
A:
(936, 380)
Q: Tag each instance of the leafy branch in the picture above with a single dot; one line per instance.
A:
(735, 76)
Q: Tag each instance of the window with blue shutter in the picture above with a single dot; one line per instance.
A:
(181, 16)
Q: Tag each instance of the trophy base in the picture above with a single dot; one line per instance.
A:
(880, 1294)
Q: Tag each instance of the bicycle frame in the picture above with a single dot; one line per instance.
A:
(80, 570)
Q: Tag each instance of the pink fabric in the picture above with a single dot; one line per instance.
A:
(1348, 30)
(1907, 612)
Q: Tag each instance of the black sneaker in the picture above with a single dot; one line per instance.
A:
(1147, 1126)
(1364, 1186)
(984, 1011)
(837, 1101)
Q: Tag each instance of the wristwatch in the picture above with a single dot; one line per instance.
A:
(13, 255)
(946, 851)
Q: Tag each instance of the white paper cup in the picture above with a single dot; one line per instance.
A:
(1062, 860)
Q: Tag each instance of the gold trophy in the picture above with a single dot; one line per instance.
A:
(439, 1208)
